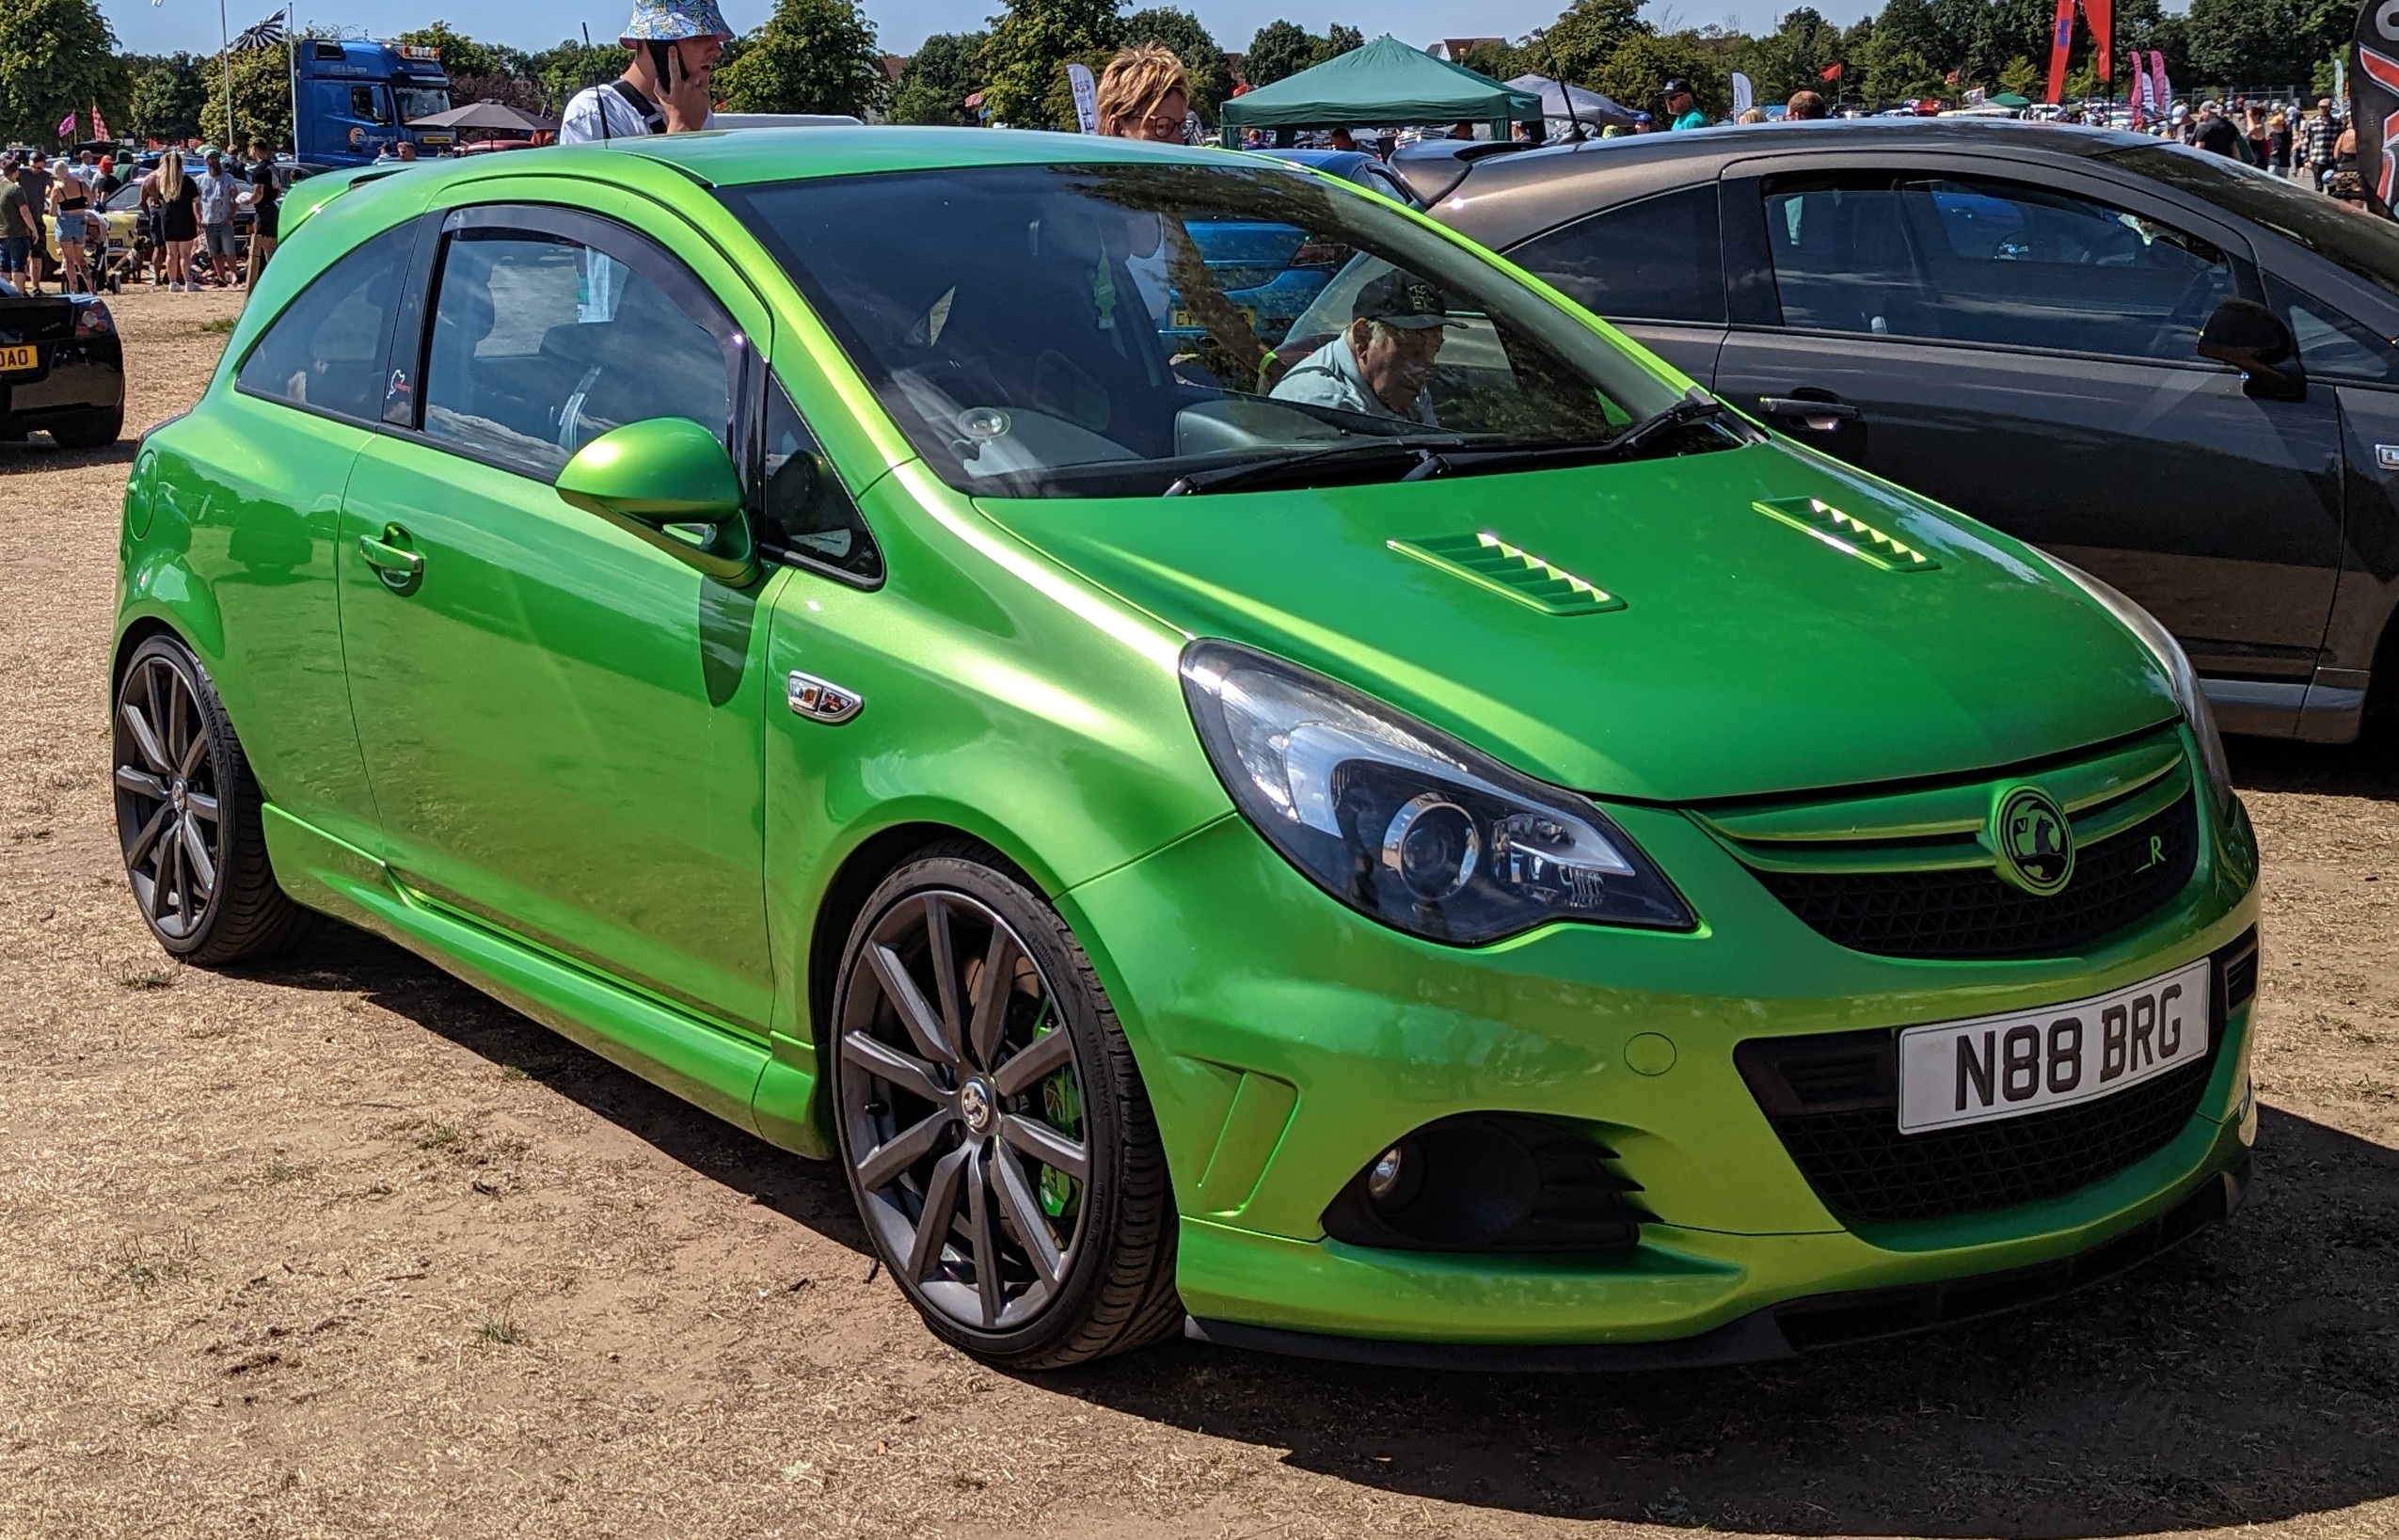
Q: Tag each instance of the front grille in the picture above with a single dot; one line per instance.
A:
(1972, 913)
(1833, 1102)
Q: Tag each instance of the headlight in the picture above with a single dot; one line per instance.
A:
(1406, 824)
(2179, 674)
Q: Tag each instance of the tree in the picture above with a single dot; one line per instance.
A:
(811, 56)
(1793, 56)
(463, 56)
(1500, 60)
(1643, 62)
(262, 98)
(1278, 50)
(1578, 45)
(166, 101)
(1204, 60)
(2020, 76)
(939, 79)
(572, 66)
(56, 57)
(2247, 42)
(1031, 43)
(512, 91)
(1339, 40)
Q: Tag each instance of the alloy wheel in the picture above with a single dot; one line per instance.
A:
(963, 1110)
(169, 813)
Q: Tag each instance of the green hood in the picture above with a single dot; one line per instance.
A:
(1746, 655)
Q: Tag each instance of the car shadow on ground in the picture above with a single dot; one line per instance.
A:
(812, 1193)
(2251, 1375)
(23, 457)
(2349, 770)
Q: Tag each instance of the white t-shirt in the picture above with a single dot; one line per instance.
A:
(600, 112)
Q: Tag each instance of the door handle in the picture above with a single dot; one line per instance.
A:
(1821, 416)
(400, 568)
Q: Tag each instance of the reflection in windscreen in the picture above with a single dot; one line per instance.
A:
(1101, 330)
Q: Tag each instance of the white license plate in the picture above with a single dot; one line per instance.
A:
(1995, 1067)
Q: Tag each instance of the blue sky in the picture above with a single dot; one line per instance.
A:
(901, 23)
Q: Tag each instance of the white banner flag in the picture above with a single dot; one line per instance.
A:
(1087, 97)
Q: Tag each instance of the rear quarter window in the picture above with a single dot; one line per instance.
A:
(324, 353)
(1656, 260)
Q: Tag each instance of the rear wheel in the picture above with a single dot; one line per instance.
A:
(187, 815)
(997, 1136)
(88, 430)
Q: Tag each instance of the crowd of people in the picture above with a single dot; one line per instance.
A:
(185, 234)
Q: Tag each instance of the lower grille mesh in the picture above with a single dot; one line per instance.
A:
(1833, 1101)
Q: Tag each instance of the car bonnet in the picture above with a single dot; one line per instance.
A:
(1745, 622)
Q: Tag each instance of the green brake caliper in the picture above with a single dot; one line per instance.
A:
(1062, 1105)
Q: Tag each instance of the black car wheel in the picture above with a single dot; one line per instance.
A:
(88, 430)
(187, 815)
(998, 1139)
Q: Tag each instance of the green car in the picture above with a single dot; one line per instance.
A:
(1453, 848)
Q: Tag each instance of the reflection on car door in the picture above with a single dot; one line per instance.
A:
(2026, 355)
(562, 724)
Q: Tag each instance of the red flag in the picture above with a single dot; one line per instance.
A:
(99, 125)
(2100, 16)
(67, 125)
(2061, 43)
(1831, 71)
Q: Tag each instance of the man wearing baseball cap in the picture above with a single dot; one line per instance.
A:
(675, 45)
(1682, 107)
(1380, 365)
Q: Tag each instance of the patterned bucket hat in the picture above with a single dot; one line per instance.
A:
(672, 20)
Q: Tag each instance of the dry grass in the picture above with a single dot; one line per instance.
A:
(342, 1249)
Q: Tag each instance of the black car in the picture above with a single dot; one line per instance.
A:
(62, 369)
(2169, 369)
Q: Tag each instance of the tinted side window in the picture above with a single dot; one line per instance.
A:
(1966, 260)
(324, 352)
(808, 515)
(1657, 259)
(541, 344)
(2332, 345)
(366, 102)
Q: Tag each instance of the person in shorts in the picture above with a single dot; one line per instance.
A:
(16, 226)
(216, 193)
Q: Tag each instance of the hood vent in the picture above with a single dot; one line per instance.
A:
(1488, 561)
(1847, 533)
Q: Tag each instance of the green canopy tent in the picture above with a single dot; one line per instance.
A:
(1384, 82)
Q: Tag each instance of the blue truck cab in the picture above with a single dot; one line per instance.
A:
(352, 100)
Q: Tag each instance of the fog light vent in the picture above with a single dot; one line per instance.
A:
(1489, 1181)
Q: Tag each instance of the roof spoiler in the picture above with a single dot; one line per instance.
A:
(1431, 168)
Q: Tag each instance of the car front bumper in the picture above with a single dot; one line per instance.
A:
(1284, 1040)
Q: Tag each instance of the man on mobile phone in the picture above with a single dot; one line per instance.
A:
(675, 45)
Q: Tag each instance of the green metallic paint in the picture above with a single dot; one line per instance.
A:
(647, 477)
(588, 798)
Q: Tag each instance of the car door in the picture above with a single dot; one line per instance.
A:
(2023, 351)
(562, 724)
(1654, 266)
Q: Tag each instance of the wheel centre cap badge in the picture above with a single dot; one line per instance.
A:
(975, 1105)
(2034, 843)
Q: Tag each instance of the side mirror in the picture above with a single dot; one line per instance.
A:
(667, 480)
(2254, 340)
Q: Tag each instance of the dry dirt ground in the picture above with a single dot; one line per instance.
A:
(342, 1247)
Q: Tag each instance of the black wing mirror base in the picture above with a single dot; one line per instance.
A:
(2253, 340)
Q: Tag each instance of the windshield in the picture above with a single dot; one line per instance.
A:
(416, 102)
(2365, 245)
(1106, 330)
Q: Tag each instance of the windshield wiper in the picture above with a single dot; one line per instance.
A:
(1420, 459)
(1697, 406)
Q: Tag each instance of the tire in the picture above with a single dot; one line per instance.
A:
(88, 430)
(187, 817)
(960, 1109)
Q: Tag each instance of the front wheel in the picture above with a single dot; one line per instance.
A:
(998, 1139)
